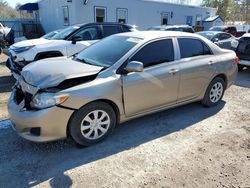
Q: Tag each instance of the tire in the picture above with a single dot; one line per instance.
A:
(214, 92)
(1, 50)
(240, 67)
(84, 124)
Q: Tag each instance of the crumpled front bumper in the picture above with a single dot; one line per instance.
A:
(39, 125)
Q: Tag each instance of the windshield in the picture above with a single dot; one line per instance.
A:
(209, 36)
(51, 34)
(65, 32)
(216, 29)
(108, 51)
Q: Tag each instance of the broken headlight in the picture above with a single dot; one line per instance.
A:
(46, 100)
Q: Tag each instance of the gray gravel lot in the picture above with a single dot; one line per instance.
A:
(190, 146)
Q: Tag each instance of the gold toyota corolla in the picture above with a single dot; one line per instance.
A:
(119, 78)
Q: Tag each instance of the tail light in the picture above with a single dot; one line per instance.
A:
(236, 60)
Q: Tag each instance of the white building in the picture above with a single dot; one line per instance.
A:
(55, 14)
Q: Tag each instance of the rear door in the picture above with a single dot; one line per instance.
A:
(158, 84)
(196, 68)
(225, 40)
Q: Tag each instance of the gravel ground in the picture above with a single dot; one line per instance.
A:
(6, 83)
(190, 146)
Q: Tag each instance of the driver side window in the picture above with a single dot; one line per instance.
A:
(87, 34)
(155, 53)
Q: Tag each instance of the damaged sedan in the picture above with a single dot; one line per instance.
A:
(122, 77)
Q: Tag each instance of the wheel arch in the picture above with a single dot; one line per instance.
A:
(107, 101)
(222, 76)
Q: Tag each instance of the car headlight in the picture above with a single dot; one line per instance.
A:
(21, 49)
(46, 100)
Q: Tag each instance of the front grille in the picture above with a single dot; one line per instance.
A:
(20, 96)
(16, 65)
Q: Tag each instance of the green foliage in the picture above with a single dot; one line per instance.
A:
(225, 7)
(230, 10)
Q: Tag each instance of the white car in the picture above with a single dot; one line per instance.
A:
(67, 42)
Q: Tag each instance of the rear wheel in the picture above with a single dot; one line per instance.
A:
(215, 92)
(92, 123)
(240, 67)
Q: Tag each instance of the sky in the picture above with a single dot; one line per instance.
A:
(14, 2)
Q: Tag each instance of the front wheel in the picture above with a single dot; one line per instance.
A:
(92, 123)
(214, 93)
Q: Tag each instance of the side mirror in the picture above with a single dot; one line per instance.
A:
(75, 39)
(134, 66)
(215, 40)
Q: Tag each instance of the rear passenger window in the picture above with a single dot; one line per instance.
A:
(155, 53)
(192, 48)
(110, 30)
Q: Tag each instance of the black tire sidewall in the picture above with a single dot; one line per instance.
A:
(240, 67)
(75, 122)
(206, 100)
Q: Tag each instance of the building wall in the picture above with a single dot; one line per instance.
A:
(142, 13)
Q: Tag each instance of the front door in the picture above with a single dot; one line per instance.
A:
(86, 37)
(157, 85)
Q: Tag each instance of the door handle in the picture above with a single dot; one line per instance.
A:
(173, 71)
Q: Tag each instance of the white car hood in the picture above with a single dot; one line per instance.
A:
(51, 72)
(32, 42)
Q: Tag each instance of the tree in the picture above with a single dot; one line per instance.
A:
(225, 8)
(6, 11)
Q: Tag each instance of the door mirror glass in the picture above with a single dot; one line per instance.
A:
(75, 39)
(134, 66)
(216, 40)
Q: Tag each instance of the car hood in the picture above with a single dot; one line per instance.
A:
(31, 42)
(51, 72)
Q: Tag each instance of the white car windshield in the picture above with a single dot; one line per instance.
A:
(64, 33)
(108, 51)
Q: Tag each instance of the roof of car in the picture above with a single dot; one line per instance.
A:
(246, 35)
(212, 32)
(103, 23)
(171, 26)
(148, 35)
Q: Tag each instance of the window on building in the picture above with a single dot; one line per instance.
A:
(164, 19)
(189, 20)
(122, 15)
(155, 53)
(110, 30)
(198, 20)
(66, 15)
(198, 48)
(100, 14)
